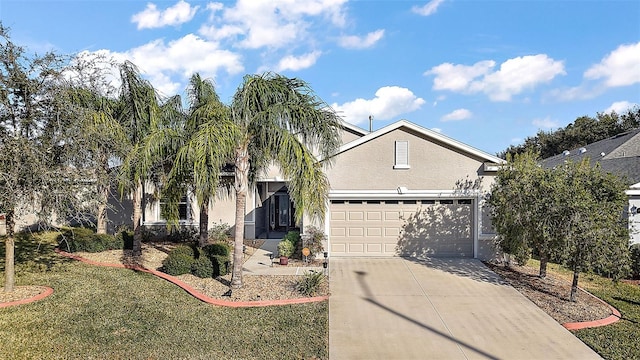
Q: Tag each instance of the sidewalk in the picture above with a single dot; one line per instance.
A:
(260, 263)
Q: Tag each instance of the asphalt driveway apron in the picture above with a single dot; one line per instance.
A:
(437, 309)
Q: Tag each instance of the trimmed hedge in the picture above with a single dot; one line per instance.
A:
(83, 239)
(202, 267)
(177, 264)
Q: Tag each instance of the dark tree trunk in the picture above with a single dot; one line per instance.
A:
(9, 257)
(574, 284)
(101, 219)
(204, 224)
(544, 259)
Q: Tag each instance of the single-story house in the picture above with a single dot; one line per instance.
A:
(399, 190)
(618, 155)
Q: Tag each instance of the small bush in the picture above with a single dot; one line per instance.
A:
(83, 239)
(183, 234)
(177, 264)
(202, 267)
(313, 239)
(183, 249)
(218, 248)
(286, 248)
(310, 283)
(220, 232)
(126, 238)
(293, 237)
(634, 251)
(221, 265)
(220, 255)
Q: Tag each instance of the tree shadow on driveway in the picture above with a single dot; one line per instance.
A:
(368, 296)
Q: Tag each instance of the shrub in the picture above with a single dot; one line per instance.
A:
(286, 248)
(310, 283)
(202, 267)
(313, 239)
(126, 237)
(183, 234)
(83, 239)
(220, 232)
(634, 251)
(177, 264)
(183, 249)
(219, 253)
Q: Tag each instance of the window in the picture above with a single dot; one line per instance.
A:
(402, 155)
(183, 209)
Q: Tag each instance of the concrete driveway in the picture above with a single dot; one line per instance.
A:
(437, 309)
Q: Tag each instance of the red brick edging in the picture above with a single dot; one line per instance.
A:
(198, 295)
(595, 323)
(47, 291)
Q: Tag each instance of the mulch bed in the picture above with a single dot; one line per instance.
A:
(551, 294)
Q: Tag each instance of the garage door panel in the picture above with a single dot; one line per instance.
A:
(397, 228)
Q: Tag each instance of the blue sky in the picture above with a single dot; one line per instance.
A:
(487, 73)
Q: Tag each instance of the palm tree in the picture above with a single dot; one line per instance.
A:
(197, 148)
(280, 121)
(140, 111)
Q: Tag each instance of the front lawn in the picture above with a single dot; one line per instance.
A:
(107, 313)
(618, 340)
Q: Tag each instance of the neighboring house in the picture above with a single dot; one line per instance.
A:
(618, 155)
(400, 190)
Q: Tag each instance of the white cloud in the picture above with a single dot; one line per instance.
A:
(177, 14)
(361, 42)
(459, 114)
(294, 63)
(621, 67)
(620, 107)
(275, 24)
(427, 9)
(438, 130)
(514, 76)
(545, 123)
(160, 61)
(389, 102)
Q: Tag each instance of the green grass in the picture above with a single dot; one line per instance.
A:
(618, 340)
(108, 313)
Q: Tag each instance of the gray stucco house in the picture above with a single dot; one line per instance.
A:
(399, 190)
(618, 155)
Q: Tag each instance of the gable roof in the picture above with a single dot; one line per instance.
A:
(354, 129)
(618, 155)
(426, 133)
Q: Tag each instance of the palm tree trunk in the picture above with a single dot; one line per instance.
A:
(9, 257)
(204, 223)
(241, 186)
(101, 219)
(137, 216)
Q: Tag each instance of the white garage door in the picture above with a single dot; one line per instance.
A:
(417, 228)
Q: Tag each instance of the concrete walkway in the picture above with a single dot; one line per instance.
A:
(437, 309)
(260, 262)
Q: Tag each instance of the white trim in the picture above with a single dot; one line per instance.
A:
(354, 128)
(424, 131)
(393, 194)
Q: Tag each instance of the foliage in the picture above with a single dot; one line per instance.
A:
(202, 267)
(634, 251)
(83, 239)
(313, 239)
(177, 264)
(127, 239)
(572, 213)
(182, 234)
(584, 130)
(286, 248)
(183, 249)
(219, 232)
(219, 254)
(143, 317)
(310, 283)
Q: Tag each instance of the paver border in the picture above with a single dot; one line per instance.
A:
(47, 291)
(614, 317)
(193, 292)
